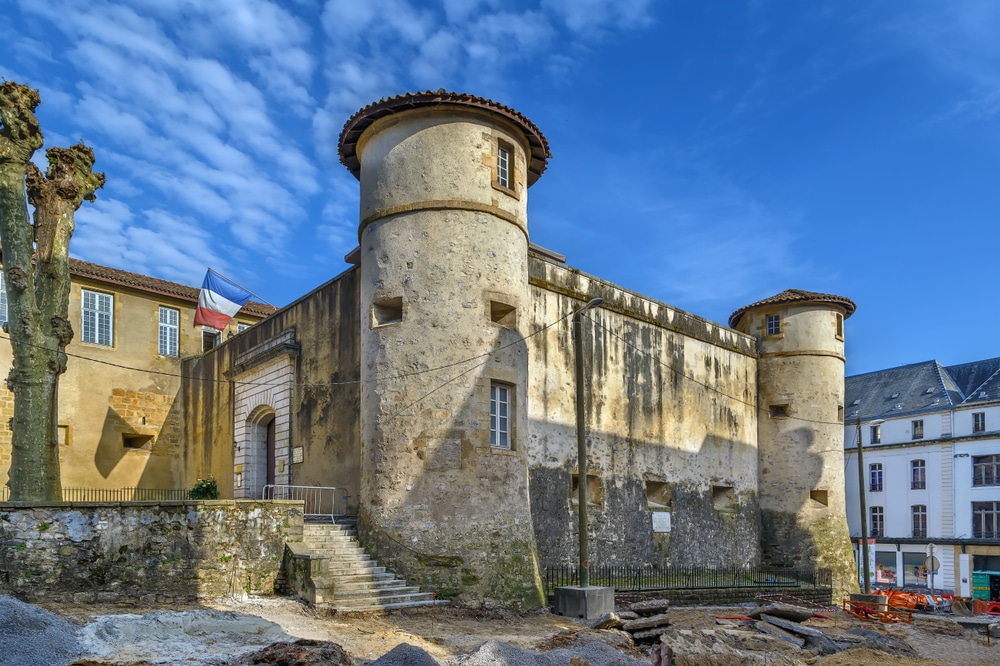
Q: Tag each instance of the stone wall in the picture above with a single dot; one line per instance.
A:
(144, 551)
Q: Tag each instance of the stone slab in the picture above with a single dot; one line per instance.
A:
(588, 603)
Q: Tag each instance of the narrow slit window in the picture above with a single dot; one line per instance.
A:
(779, 411)
(500, 416)
(820, 496)
(503, 165)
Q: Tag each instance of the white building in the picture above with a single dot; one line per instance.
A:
(931, 468)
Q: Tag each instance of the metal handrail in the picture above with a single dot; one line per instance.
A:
(321, 502)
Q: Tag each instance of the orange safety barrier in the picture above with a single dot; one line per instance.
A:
(865, 612)
(993, 608)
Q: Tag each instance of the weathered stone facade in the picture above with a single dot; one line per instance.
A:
(144, 551)
(435, 381)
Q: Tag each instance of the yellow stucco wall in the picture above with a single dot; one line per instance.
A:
(119, 414)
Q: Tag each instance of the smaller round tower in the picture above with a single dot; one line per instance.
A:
(800, 430)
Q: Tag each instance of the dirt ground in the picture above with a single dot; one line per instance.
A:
(447, 632)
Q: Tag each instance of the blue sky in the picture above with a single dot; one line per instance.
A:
(707, 154)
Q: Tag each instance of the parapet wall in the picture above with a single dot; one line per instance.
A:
(144, 551)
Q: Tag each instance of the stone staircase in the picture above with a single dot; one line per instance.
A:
(343, 576)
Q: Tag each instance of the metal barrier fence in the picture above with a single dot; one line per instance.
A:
(321, 502)
(114, 494)
(648, 578)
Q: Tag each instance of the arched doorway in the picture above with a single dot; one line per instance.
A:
(259, 460)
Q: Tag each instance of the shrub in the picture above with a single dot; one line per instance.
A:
(204, 489)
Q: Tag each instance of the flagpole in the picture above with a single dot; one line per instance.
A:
(262, 299)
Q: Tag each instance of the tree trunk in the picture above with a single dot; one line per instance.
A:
(36, 265)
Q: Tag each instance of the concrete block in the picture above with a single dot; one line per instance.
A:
(588, 603)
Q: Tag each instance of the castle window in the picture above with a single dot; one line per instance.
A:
(840, 327)
(779, 411)
(876, 525)
(986, 470)
(820, 496)
(503, 314)
(210, 338)
(98, 314)
(918, 429)
(658, 495)
(876, 433)
(772, 325)
(133, 441)
(723, 497)
(919, 512)
(387, 311)
(979, 422)
(875, 477)
(918, 474)
(169, 332)
(500, 395)
(503, 164)
(594, 494)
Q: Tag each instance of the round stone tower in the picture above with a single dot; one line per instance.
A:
(800, 430)
(444, 294)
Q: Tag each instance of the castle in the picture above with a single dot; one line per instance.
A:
(434, 381)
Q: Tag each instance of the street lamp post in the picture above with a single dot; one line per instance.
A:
(581, 439)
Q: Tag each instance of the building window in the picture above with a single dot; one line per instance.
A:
(919, 520)
(918, 475)
(779, 411)
(840, 327)
(876, 433)
(986, 470)
(386, 311)
(499, 416)
(98, 313)
(875, 475)
(978, 418)
(3, 299)
(503, 165)
(210, 338)
(240, 327)
(876, 526)
(772, 325)
(985, 520)
(918, 429)
(169, 331)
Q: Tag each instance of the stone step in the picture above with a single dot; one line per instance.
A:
(393, 583)
(359, 601)
(386, 607)
(359, 567)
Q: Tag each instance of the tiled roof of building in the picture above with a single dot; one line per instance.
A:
(360, 121)
(919, 387)
(152, 285)
(795, 296)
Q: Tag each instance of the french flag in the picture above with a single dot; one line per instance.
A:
(219, 301)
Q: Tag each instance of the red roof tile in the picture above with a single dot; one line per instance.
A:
(152, 285)
(795, 296)
(360, 121)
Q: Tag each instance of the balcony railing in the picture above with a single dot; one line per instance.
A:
(114, 494)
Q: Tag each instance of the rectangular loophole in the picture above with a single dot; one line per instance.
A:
(659, 494)
(594, 493)
(503, 314)
(723, 497)
(820, 496)
(387, 311)
(779, 411)
(133, 441)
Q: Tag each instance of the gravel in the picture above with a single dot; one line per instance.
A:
(495, 653)
(405, 654)
(30, 635)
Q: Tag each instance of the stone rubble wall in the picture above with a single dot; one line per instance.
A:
(144, 551)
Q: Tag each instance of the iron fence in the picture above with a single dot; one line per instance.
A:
(114, 494)
(650, 578)
(321, 502)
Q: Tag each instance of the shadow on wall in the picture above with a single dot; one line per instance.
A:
(142, 450)
(714, 521)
